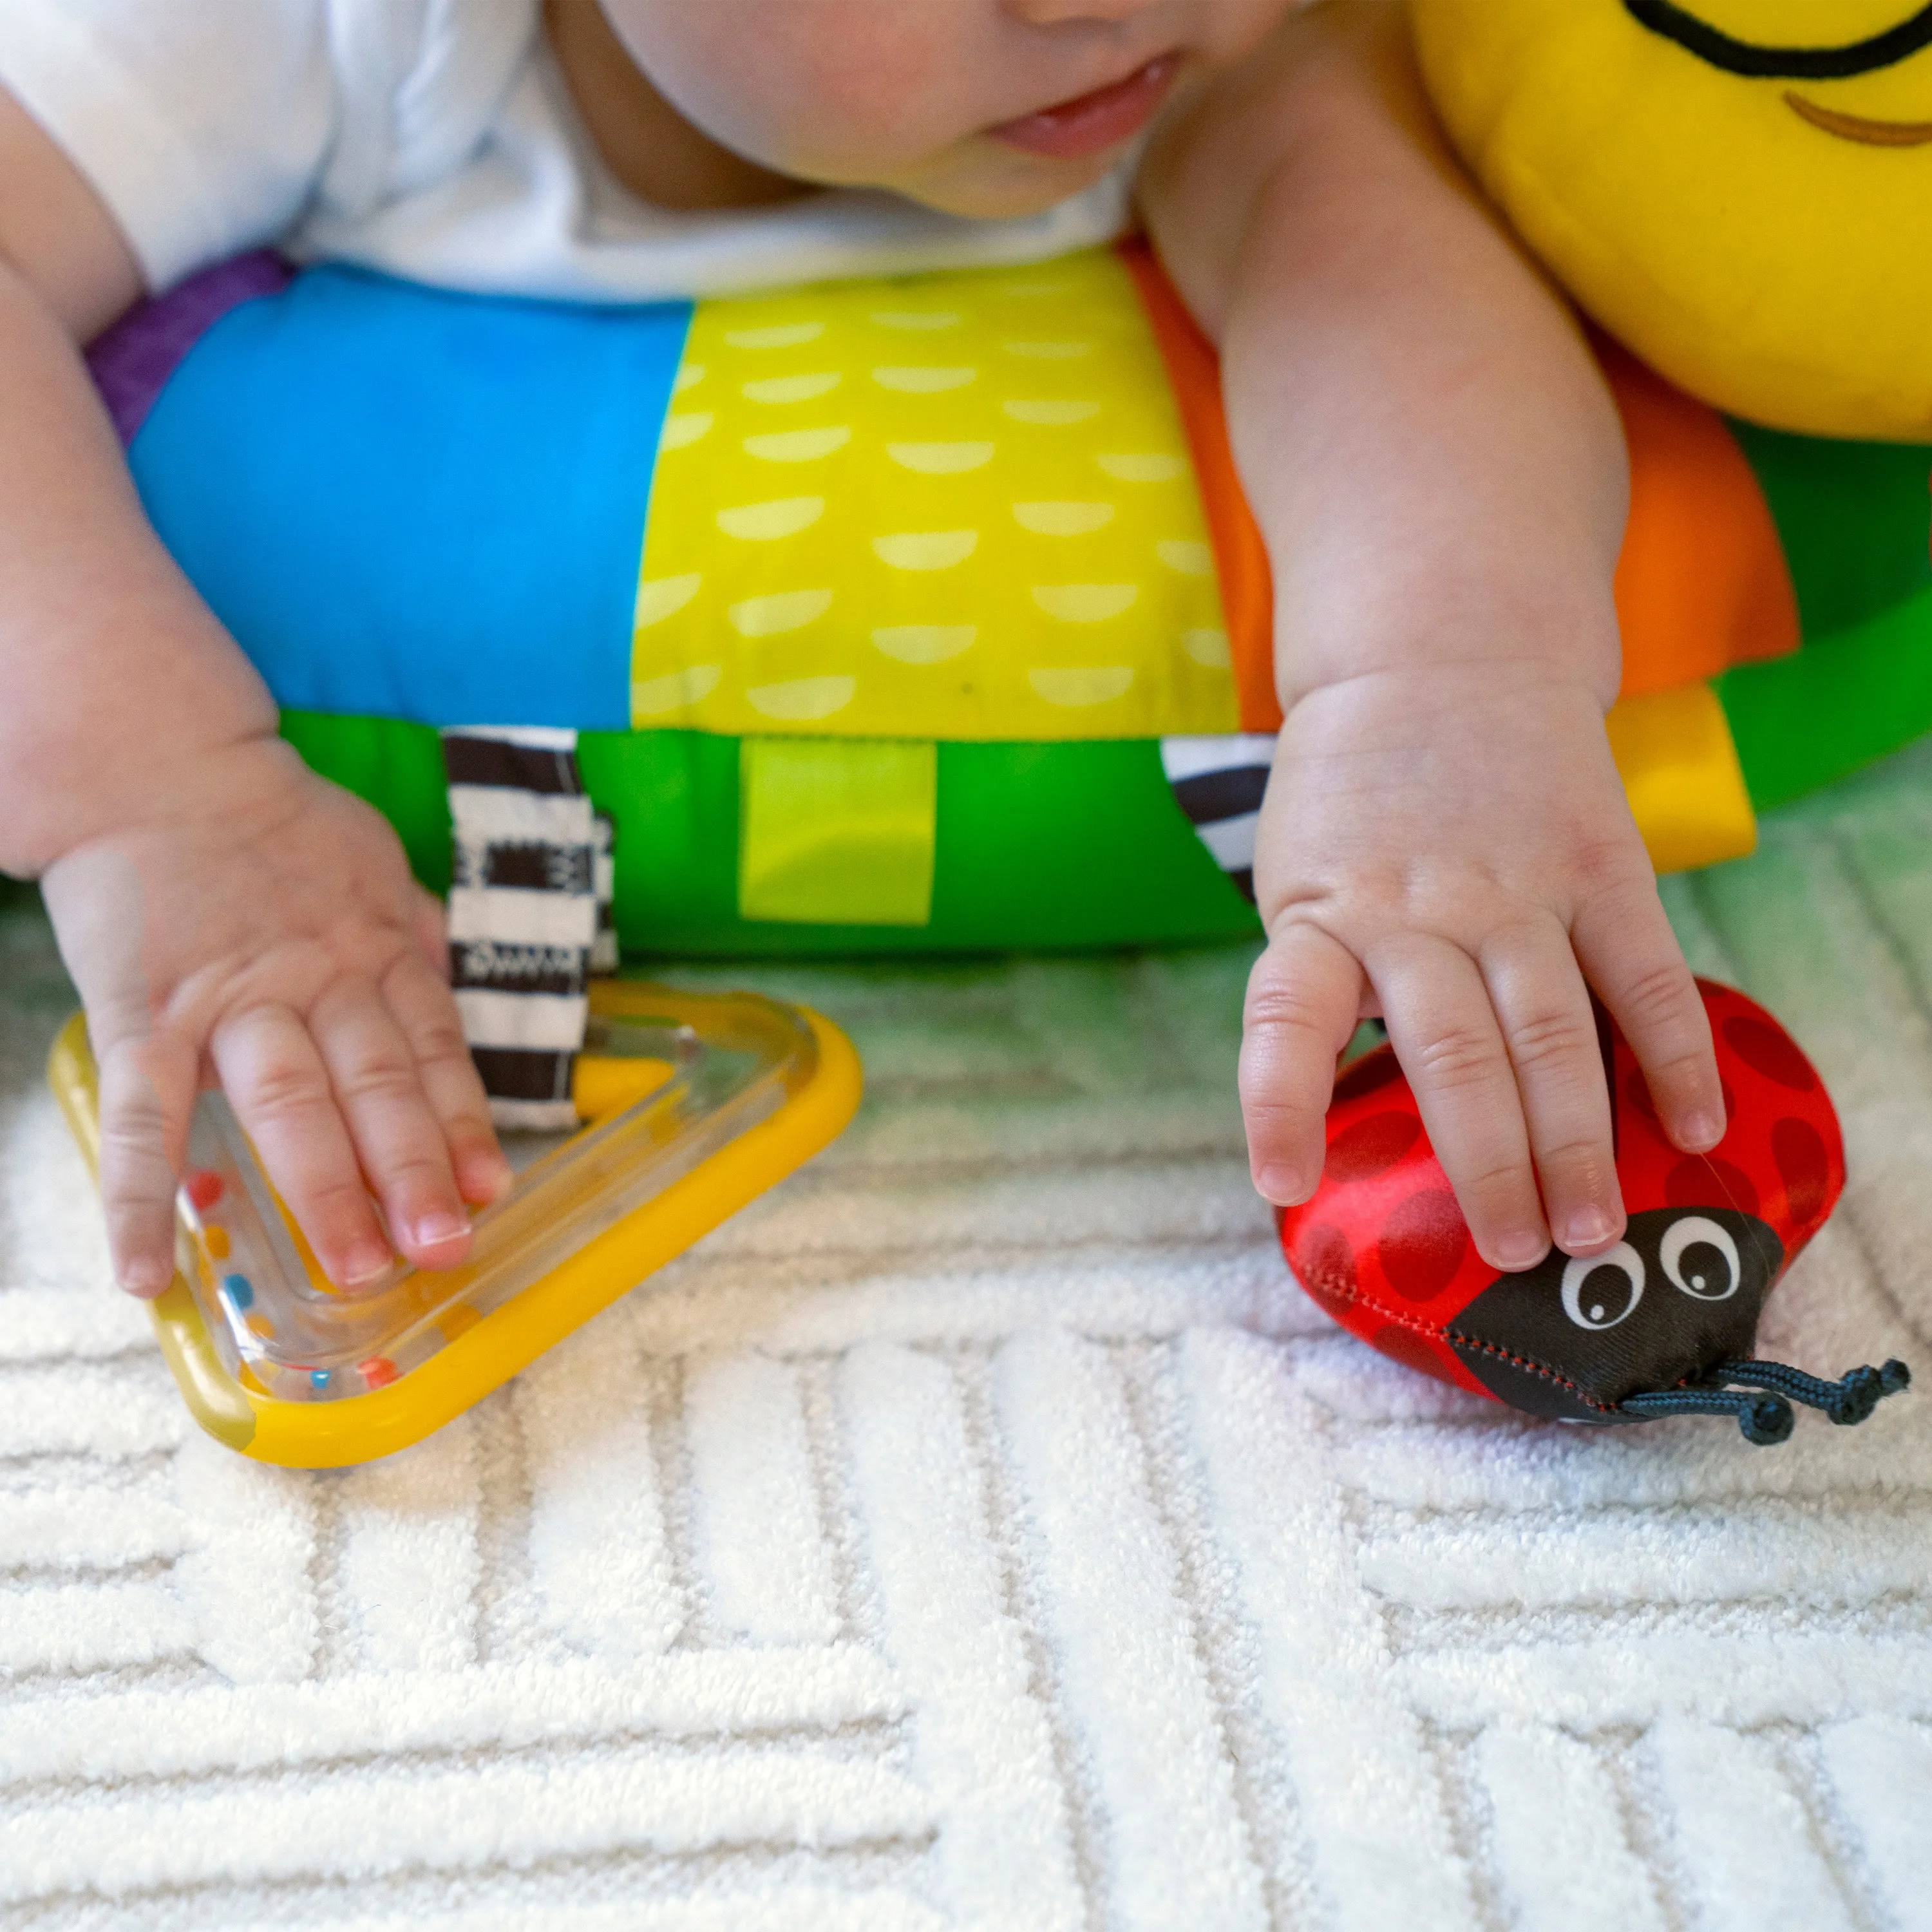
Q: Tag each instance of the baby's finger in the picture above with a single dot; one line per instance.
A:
(426, 1010)
(400, 1143)
(1633, 959)
(280, 1089)
(1445, 1031)
(1303, 996)
(1551, 1033)
(432, 931)
(147, 1090)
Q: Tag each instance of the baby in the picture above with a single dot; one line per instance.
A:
(1434, 462)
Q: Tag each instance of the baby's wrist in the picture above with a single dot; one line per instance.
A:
(1449, 629)
(233, 781)
(1448, 685)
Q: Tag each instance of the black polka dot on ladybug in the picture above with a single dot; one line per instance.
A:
(1324, 1265)
(1422, 1244)
(1703, 1176)
(1373, 1146)
(1804, 1166)
(1373, 1070)
(1770, 1051)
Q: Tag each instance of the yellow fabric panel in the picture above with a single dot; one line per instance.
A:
(837, 831)
(1681, 771)
(956, 506)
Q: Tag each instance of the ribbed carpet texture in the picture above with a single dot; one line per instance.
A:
(983, 1532)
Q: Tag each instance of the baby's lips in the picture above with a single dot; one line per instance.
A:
(1094, 121)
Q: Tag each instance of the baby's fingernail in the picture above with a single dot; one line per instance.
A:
(365, 1262)
(1521, 1250)
(1700, 1132)
(1588, 1228)
(146, 1277)
(1282, 1185)
(433, 1230)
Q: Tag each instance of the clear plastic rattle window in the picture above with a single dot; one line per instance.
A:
(675, 1095)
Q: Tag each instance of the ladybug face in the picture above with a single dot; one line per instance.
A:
(1383, 1246)
(1682, 1289)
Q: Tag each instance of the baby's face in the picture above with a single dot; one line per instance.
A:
(979, 107)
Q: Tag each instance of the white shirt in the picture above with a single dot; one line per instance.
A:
(434, 139)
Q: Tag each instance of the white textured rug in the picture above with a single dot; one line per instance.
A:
(983, 1532)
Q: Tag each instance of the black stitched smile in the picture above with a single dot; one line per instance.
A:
(1763, 63)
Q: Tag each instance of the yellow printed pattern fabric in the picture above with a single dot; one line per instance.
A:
(948, 507)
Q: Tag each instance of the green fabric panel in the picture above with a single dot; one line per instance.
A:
(1065, 845)
(1037, 847)
(673, 799)
(1040, 847)
(1855, 519)
(836, 831)
(1802, 722)
(397, 767)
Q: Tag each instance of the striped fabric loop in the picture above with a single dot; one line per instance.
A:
(529, 914)
(1218, 782)
(604, 951)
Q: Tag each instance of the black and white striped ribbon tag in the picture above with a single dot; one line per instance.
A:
(1218, 783)
(523, 916)
(604, 954)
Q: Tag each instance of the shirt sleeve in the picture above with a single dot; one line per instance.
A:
(203, 124)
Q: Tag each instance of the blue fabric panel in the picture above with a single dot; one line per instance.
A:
(417, 505)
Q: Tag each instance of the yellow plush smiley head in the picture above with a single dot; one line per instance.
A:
(1740, 190)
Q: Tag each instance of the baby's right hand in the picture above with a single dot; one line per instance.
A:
(1449, 847)
(260, 930)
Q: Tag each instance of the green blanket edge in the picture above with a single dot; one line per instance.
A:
(1064, 847)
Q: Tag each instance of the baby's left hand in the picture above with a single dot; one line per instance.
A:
(1451, 847)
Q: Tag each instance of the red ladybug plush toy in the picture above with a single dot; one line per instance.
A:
(1664, 1323)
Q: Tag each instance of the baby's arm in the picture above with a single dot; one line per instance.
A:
(225, 913)
(1440, 476)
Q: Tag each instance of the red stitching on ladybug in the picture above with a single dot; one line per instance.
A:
(1351, 1291)
(1348, 1291)
(1542, 1369)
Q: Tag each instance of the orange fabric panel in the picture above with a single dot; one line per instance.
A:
(1247, 586)
(1702, 583)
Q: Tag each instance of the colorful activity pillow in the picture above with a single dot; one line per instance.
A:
(1664, 1324)
(912, 615)
(1740, 190)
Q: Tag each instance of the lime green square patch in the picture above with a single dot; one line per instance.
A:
(836, 831)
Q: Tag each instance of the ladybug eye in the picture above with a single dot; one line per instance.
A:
(1604, 1290)
(1701, 1259)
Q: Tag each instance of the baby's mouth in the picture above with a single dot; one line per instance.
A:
(1093, 121)
(1856, 128)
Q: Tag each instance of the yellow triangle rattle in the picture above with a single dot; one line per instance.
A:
(692, 1105)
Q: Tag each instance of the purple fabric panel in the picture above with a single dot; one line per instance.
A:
(132, 362)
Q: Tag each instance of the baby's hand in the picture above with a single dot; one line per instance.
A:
(260, 929)
(1451, 848)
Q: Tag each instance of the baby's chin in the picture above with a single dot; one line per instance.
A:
(982, 179)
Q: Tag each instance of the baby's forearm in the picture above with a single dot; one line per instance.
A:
(1429, 447)
(118, 683)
